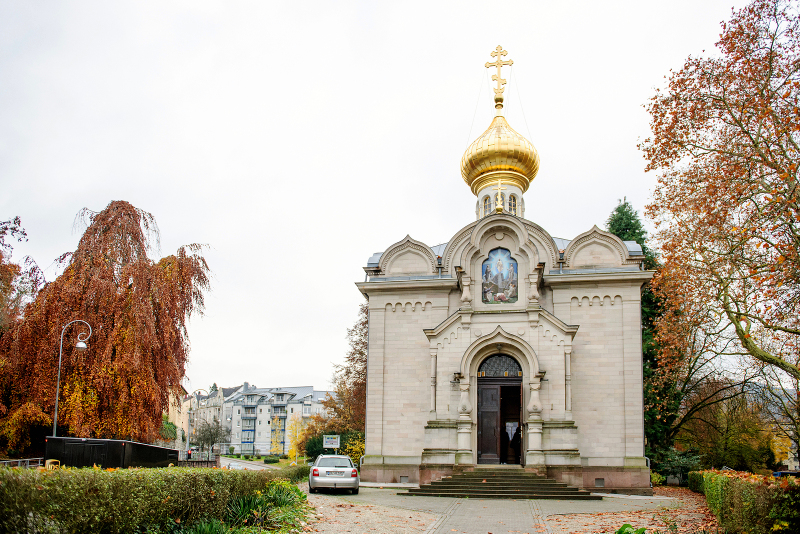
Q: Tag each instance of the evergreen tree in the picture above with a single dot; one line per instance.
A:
(624, 222)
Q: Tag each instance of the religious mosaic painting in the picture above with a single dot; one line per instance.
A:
(500, 281)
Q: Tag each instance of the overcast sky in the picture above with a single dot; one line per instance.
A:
(297, 138)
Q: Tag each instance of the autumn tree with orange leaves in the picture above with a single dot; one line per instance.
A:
(725, 147)
(138, 309)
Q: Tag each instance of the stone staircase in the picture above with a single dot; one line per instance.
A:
(501, 483)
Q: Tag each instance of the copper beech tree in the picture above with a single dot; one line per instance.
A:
(725, 146)
(138, 310)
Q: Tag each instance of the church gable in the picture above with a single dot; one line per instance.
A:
(594, 249)
(408, 257)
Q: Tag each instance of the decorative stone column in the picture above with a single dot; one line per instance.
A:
(568, 384)
(534, 456)
(433, 383)
(464, 454)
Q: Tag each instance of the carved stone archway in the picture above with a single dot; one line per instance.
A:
(500, 342)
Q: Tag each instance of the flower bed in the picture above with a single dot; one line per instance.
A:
(744, 502)
(133, 500)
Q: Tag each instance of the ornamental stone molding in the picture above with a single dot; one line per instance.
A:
(408, 243)
(453, 244)
(499, 342)
(539, 235)
(598, 236)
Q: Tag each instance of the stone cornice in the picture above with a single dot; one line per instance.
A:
(569, 278)
(405, 285)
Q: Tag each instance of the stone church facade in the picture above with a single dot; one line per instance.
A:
(506, 345)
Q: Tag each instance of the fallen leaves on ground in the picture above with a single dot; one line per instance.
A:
(689, 514)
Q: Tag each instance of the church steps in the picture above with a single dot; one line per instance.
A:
(507, 483)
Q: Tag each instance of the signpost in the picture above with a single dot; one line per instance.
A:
(330, 442)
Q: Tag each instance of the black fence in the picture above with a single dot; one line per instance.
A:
(86, 452)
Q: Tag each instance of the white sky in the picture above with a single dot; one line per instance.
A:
(297, 138)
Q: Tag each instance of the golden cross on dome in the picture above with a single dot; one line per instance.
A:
(499, 63)
(499, 187)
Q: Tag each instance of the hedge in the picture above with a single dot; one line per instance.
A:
(755, 504)
(123, 500)
(695, 479)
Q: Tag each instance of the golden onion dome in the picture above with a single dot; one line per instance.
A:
(501, 153)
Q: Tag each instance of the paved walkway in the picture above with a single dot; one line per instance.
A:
(490, 515)
(245, 464)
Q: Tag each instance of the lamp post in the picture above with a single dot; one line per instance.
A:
(81, 346)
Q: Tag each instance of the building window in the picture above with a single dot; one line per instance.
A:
(237, 423)
(260, 410)
(259, 423)
(239, 411)
(487, 206)
(512, 204)
(259, 434)
(306, 410)
(291, 410)
(502, 200)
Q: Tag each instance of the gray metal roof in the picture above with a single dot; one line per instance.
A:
(634, 248)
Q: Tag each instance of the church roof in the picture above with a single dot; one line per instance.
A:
(634, 248)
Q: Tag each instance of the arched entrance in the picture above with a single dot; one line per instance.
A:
(499, 410)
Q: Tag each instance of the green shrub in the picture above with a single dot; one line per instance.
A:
(124, 500)
(210, 526)
(755, 504)
(284, 456)
(231, 449)
(295, 474)
(271, 459)
(258, 456)
(714, 486)
(238, 455)
(696, 481)
(656, 479)
(246, 456)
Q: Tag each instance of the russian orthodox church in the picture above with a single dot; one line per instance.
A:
(506, 345)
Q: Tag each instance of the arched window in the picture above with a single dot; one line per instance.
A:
(487, 206)
(499, 366)
(503, 200)
(512, 204)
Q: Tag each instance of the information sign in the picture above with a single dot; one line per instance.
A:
(330, 442)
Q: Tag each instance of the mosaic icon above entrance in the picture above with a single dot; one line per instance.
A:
(499, 282)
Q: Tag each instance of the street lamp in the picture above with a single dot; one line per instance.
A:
(81, 346)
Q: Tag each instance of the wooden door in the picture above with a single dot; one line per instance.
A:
(488, 424)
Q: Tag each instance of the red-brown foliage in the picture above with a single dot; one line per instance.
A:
(725, 145)
(138, 310)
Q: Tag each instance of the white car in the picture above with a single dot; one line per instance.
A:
(333, 471)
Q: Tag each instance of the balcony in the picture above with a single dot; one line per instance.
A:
(249, 416)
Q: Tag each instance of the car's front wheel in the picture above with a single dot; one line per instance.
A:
(355, 491)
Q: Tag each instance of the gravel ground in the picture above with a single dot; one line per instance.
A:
(336, 513)
(689, 515)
